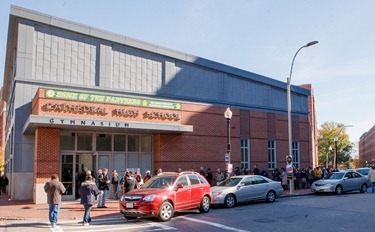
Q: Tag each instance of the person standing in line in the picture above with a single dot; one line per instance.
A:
(114, 183)
(5, 184)
(264, 172)
(129, 182)
(209, 176)
(54, 190)
(256, 170)
(1, 182)
(371, 177)
(103, 187)
(97, 177)
(88, 192)
(147, 176)
(284, 178)
(219, 176)
(138, 180)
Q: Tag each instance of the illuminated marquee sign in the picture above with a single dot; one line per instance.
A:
(98, 98)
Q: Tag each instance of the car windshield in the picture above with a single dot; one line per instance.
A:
(230, 182)
(335, 175)
(364, 171)
(159, 182)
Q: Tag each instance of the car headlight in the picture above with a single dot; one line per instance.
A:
(330, 184)
(217, 193)
(149, 197)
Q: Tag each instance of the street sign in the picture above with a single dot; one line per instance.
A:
(230, 168)
(226, 157)
(288, 159)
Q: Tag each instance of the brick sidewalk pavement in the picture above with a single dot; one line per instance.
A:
(70, 210)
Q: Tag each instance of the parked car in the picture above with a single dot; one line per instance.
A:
(167, 193)
(340, 182)
(363, 171)
(245, 188)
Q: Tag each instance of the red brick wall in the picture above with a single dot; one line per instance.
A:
(206, 146)
(366, 148)
(47, 154)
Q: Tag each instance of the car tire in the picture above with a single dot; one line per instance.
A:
(230, 201)
(166, 212)
(271, 196)
(339, 190)
(363, 188)
(130, 217)
(205, 205)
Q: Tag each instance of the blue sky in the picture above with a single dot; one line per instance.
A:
(260, 36)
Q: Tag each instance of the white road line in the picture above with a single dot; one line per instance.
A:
(98, 228)
(221, 226)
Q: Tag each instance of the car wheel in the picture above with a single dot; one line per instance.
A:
(129, 217)
(271, 196)
(230, 201)
(339, 190)
(165, 212)
(205, 205)
(363, 188)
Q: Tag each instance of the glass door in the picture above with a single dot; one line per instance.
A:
(83, 162)
(67, 175)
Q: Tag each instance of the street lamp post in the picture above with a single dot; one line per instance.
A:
(289, 111)
(228, 116)
(330, 151)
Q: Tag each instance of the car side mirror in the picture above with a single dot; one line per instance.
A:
(240, 185)
(345, 178)
(180, 186)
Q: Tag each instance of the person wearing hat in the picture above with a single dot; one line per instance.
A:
(371, 177)
(147, 176)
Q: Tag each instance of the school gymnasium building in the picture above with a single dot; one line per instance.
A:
(78, 97)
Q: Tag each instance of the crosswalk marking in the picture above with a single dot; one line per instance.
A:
(221, 226)
(111, 224)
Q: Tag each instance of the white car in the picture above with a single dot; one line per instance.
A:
(245, 188)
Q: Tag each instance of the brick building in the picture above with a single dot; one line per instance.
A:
(79, 97)
(366, 148)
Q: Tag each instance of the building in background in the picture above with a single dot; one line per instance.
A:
(366, 148)
(82, 98)
(313, 125)
(2, 132)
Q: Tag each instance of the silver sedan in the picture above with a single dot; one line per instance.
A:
(340, 182)
(245, 188)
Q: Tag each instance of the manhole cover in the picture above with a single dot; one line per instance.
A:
(264, 220)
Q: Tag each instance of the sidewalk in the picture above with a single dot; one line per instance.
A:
(71, 210)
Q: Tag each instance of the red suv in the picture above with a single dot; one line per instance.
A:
(166, 193)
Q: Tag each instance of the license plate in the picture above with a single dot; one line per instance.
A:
(129, 205)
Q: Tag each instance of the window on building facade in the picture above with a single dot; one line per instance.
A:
(119, 142)
(84, 142)
(103, 142)
(133, 142)
(146, 143)
(245, 153)
(295, 151)
(67, 141)
(271, 154)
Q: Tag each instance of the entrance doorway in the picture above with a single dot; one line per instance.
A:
(73, 172)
